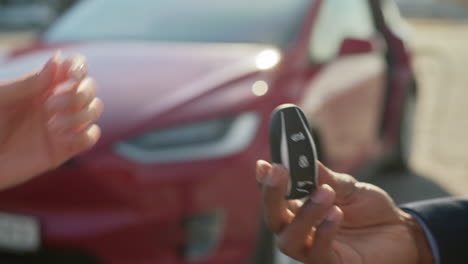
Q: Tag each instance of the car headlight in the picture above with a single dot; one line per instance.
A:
(203, 140)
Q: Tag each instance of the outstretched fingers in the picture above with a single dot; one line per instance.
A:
(31, 86)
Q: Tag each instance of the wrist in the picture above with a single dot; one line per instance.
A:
(13, 171)
(418, 234)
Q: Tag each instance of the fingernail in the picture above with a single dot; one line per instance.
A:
(321, 195)
(53, 60)
(273, 178)
(54, 126)
(56, 56)
(99, 107)
(263, 169)
(334, 214)
(51, 104)
(78, 68)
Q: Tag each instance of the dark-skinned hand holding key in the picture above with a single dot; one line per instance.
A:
(337, 220)
(343, 222)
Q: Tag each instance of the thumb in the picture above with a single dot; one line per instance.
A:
(343, 184)
(30, 86)
(274, 180)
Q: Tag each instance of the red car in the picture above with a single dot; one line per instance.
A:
(188, 90)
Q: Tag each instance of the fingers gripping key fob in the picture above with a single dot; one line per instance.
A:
(291, 145)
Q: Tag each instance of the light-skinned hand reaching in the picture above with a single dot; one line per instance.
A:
(42, 126)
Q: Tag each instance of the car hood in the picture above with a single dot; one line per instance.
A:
(138, 81)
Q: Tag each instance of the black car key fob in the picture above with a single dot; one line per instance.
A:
(291, 145)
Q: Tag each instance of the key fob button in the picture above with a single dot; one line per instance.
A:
(292, 145)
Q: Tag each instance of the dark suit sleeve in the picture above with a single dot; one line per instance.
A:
(447, 220)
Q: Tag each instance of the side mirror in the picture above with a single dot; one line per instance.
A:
(351, 46)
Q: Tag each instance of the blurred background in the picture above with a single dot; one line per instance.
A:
(437, 34)
(20, 20)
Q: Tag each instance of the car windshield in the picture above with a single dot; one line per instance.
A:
(274, 22)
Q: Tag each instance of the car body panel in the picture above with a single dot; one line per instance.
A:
(349, 121)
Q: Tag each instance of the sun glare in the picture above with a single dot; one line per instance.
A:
(267, 59)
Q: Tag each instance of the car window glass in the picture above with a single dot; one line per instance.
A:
(338, 20)
(274, 22)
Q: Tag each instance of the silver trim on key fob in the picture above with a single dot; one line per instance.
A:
(292, 145)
